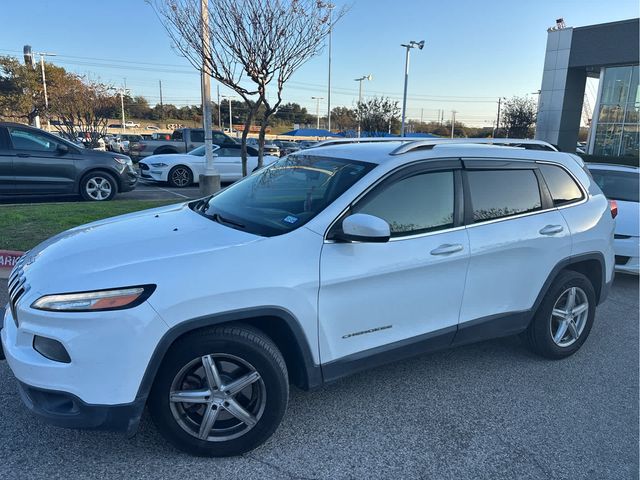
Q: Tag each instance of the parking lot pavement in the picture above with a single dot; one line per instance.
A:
(490, 410)
(145, 190)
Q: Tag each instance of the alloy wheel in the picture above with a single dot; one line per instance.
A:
(98, 188)
(569, 316)
(217, 397)
(180, 177)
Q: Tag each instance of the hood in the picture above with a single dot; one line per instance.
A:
(627, 221)
(127, 250)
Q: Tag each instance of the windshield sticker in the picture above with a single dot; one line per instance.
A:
(290, 219)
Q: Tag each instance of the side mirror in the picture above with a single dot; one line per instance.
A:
(62, 149)
(361, 227)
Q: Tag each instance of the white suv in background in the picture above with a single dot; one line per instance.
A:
(329, 261)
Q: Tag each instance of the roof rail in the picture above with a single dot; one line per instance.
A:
(342, 141)
(504, 142)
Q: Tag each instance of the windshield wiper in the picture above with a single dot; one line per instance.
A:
(216, 217)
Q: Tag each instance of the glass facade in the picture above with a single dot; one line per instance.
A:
(618, 127)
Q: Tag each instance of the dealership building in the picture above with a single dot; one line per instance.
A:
(610, 52)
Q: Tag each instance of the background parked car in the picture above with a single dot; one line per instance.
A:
(269, 148)
(121, 143)
(621, 183)
(286, 147)
(182, 140)
(181, 170)
(35, 162)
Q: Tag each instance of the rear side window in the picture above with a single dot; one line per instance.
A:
(196, 136)
(563, 188)
(418, 204)
(502, 193)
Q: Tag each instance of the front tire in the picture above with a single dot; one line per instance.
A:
(180, 176)
(98, 187)
(565, 317)
(220, 392)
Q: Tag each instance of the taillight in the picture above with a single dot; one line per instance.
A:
(613, 206)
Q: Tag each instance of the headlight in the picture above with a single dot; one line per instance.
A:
(116, 299)
(157, 165)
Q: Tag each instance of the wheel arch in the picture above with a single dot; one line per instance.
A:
(278, 324)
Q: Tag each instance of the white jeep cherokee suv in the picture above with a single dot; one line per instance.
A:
(329, 261)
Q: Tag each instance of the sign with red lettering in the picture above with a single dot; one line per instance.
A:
(8, 258)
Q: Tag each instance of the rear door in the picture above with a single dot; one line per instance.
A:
(38, 166)
(516, 235)
(7, 180)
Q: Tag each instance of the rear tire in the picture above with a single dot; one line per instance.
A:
(564, 318)
(216, 423)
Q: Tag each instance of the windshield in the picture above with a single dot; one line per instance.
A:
(617, 185)
(283, 196)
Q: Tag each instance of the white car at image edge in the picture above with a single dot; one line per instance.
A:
(184, 169)
(329, 261)
(622, 184)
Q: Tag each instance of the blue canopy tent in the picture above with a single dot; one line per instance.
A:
(310, 132)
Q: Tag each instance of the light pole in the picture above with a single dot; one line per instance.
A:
(407, 46)
(360, 80)
(495, 132)
(453, 121)
(330, 6)
(229, 97)
(317, 99)
(44, 84)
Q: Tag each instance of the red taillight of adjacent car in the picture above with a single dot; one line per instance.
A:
(613, 206)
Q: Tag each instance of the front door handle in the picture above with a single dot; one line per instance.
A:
(447, 249)
(23, 155)
(551, 229)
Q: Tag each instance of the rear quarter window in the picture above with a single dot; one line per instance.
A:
(562, 187)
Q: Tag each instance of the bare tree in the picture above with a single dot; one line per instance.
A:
(84, 106)
(252, 44)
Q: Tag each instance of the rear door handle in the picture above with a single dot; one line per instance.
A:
(23, 155)
(551, 229)
(447, 249)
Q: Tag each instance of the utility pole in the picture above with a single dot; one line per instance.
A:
(161, 104)
(123, 127)
(228, 97)
(421, 114)
(498, 117)
(360, 80)
(330, 6)
(219, 111)
(210, 181)
(453, 121)
(407, 46)
(317, 99)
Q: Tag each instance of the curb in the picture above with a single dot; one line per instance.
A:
(8, 259)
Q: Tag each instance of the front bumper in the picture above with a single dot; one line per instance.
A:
(66, 410)
(150, 173)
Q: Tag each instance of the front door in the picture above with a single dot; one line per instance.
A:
(379, 299)
(39, 166)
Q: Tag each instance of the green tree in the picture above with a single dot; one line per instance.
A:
(378, 116)
(344, 118)
(519, 116)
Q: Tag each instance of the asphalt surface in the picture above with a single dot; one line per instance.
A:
(486, 411)
(145, 190)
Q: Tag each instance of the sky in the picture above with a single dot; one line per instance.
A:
(475, 52)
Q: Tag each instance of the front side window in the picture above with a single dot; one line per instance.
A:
(502, 193)
(28, 140)
(283, 196)
(413, 205)
(562, 187)
(219, 138)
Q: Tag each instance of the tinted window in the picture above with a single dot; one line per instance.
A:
(197, 136)
(501, 193)
(219, 139)
(617, 185)
(29, 140)
(283, 196)
(177, 135)
(413, 205)
(562, 187)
